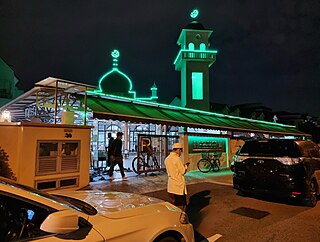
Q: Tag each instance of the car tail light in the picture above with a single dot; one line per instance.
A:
(239, 158)
(296, 193)
(288, 160)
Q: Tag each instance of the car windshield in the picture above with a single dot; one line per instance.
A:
(278, 148)
(64, 200)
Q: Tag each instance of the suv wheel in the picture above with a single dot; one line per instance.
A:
(312, 193)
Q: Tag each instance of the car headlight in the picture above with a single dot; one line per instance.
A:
(289, 161)
(184, 218)
(239, 158)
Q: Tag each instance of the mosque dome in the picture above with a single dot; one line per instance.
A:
(194, 25)
(116, 82)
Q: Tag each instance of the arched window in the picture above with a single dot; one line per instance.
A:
(202, 46)
(191, 46)
(113, 128)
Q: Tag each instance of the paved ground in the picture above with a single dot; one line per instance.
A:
(141, 184)
(155, 185)
(217, 212)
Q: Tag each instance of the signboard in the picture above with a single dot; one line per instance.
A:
(197, 144)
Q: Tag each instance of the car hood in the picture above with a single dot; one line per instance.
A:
(109, 202)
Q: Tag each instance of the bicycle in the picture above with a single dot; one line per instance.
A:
(142, 163)
(209, 163)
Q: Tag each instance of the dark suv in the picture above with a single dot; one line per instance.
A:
(279, 167)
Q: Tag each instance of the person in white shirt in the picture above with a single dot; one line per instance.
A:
(176, 187)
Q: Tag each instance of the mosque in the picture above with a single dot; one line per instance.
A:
(86, 116)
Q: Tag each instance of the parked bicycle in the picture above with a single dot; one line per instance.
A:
(145, 162)
(210, 162)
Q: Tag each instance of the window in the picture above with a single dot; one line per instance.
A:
(21, 219)
(278, 148)
(191, 46)
(58, 157)
(202, 46)
(197, 85)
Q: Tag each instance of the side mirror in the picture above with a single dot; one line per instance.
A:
(61, 222)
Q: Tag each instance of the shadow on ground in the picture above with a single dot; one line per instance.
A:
(199, 198)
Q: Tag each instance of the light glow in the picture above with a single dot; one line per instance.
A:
(194, 13)
(115, 54)
(197, 85)
(5, 116)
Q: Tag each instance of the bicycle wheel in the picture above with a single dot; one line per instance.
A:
(137, 167)
(216, 165)
(204, 165)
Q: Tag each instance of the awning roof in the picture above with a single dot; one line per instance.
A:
(105, 107)
(44, 92)
(125, 109)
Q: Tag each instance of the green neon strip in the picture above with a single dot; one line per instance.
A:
(97, 92)
(147, 98)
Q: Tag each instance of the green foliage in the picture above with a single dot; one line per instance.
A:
(5, 169)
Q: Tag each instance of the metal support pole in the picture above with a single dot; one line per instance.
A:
(56, 102)
(85, 107)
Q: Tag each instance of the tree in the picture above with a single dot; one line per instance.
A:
(5, 169)
(310, 127)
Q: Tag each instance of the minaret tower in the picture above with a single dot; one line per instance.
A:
(193, 61)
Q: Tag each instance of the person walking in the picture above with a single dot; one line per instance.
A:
(176, 186)
(116, 157)
(110, 140)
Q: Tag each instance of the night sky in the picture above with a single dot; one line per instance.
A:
(268, 51)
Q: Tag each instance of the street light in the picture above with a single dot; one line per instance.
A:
(5, 116)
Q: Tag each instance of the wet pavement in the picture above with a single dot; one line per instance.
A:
(155, 181)
(140, 184)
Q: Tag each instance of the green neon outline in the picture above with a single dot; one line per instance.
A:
(197, 51)
(193, 138)
(115, 69)
(95, 92)
(115, 54)
(194, 14)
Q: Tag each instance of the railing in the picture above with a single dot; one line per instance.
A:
(197, 55)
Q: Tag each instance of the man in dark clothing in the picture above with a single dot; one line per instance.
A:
(116, 156)
(111, 139)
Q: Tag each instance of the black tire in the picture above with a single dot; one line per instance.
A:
(242, 193)
(137, 168)
(312, 193)
(168, 239)
(216, 165)
(204, 165)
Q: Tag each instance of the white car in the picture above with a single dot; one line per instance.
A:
(28, 214)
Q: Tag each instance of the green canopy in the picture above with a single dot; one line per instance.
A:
(123, 109)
